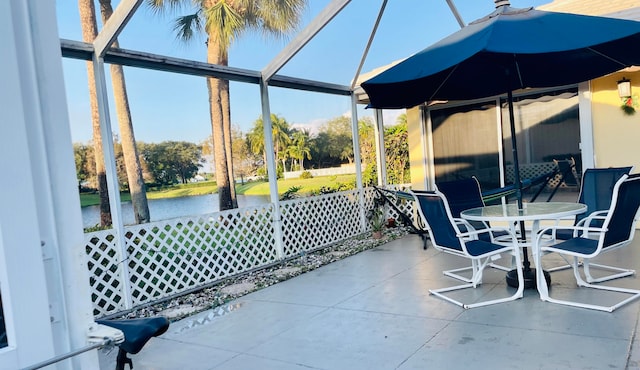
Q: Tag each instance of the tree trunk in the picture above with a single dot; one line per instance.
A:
(217, 126)
(89, 32)
(129, 149)
(226, 119)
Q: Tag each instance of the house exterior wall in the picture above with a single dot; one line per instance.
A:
(416, 137)
(592, 7)
(615, 135)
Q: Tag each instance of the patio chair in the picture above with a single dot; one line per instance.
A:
(596, 191)
(617, 230)
(461, 195)
(567, 176)
(446, 236)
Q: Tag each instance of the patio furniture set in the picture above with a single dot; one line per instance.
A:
(604, 219)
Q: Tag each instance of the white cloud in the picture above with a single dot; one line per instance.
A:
(313, 126)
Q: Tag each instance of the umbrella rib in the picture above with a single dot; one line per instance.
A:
(443, 82)
(518, 71)
(608, 57)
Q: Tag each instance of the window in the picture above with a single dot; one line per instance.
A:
(465, 144)
(547, 128)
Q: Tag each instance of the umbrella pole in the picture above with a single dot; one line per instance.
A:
(529, 273)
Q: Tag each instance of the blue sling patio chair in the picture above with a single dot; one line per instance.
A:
(596, 192)
(617, 230)
(447, 237)
(462, 195)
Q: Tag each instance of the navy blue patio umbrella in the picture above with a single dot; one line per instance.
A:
(507, 50)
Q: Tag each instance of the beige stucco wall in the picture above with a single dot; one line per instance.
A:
(616, 136)
(416, 150)
(590, 7)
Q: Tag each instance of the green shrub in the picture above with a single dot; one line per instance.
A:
(291, 193)
(306, 175)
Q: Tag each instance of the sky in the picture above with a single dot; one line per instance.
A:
(168, 106)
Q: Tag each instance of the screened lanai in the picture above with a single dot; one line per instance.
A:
(307, 77)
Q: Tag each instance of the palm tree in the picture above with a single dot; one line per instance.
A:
(224, 22)
(255, 141)
(301, 147)
(281, 140)
(129, 149)
(89, 32)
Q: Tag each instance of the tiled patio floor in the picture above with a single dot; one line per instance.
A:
(373, 311)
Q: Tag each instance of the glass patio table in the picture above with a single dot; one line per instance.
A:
(530, 212)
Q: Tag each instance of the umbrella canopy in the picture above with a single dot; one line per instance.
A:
(507, 50)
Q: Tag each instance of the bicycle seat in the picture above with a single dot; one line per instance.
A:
(137, 333)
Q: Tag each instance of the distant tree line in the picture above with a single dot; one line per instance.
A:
(165, 163)
(172, 162)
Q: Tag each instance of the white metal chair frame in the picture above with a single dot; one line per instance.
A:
(465, 245)
(590, 242)
(587, 222)
(455, 273)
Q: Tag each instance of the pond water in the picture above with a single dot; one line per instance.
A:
(162, 209)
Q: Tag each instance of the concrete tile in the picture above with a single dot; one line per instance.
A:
(373, 311)
(403, 297)
(634, 359)
(318, 288)
(166, 354)
(250, 324)
(255, 362)
(533, 314)
(478, 346)
(344, 339)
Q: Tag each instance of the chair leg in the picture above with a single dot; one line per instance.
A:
(454, 272)
(478, 266)
(544, 292)
(566, 266)
(621, 272)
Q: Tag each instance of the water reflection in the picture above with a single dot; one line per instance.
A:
(162, 209)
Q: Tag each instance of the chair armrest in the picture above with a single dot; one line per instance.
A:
(474, 233)
(463, 222)
(577, 231)
(597, 215)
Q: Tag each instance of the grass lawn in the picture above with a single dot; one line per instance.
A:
(251, 188)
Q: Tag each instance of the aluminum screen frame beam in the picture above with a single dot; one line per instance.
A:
(84, 51)
(303, 37)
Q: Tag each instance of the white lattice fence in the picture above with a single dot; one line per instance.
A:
(169, 257)
(166, 258)
(405, 206)
(105, 266)
(528, 171)
(313, 222)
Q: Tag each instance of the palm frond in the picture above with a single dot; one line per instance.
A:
(161, 7)
(278, 18)
(223, 24)
(186, 27)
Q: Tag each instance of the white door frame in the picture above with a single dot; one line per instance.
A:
(43, 275)
(22, 278)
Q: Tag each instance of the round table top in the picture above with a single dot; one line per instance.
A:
(529, 211)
